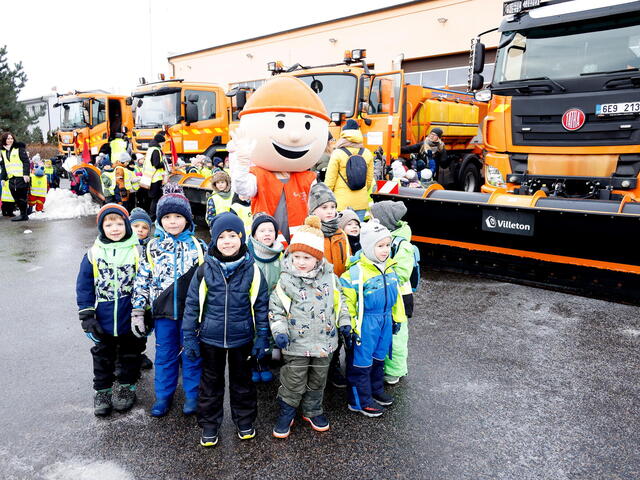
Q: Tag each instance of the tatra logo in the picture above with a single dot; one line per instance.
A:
(573, 119)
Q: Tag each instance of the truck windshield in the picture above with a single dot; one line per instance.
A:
(337, 91)
(567, 50)
(157, 110)
(72, 115)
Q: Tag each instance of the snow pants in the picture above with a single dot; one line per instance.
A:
(168, 355)
(365, 361)
(243, 397)
(123, 349)
(396, 364)
(302, 382)
(38, 202)
(20, 191)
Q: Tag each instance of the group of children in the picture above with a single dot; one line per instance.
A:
(244, 297)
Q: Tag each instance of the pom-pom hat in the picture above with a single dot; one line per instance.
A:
(309, 238)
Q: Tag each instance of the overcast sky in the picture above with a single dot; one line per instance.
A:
(86, 44)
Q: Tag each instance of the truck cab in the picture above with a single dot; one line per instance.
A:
(91, 118)
(564, 102)
(195, 115)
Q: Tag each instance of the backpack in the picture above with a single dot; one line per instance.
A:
(356, 170)
(414, 279)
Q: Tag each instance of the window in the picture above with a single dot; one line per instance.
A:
(206, 103)
(434, 78)
(455, 77)
(98, 112)
(384, 89)
(412, 78)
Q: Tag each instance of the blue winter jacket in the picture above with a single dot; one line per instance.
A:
(227, 321)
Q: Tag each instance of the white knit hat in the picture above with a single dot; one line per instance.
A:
(308, 238)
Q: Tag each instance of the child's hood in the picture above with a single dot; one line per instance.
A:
(404, 231)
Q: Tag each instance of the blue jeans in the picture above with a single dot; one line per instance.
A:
(168, 354)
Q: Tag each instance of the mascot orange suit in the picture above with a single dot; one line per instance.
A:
(283, 132)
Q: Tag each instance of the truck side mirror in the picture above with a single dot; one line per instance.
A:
(191, 112)
(129, 101)
(241, 99)
(193, 98)
(477, 82)
(477, 56)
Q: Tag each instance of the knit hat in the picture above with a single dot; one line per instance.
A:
(139, 215)
(226, 221)
(285, 94)
(124, 158)
(437, 131)
(104, 162)
(260, 218)
(351, 124)
(159, 137)
(116, 209)
(218, 162)
(346, 216)
(308, 239)
(219, 176)
(318, 195)
(389, 213)
(370, 234)
(174, 203)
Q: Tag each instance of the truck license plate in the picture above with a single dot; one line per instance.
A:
(618, 108)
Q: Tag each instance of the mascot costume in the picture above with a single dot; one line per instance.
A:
(283, 132)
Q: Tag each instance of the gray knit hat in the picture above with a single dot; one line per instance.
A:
(389, 213)
(370, 234)
(318, 195)
(346, 216)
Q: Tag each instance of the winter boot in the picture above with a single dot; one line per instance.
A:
(285, 420)
(319, 423)
(266, 376)
(146, 364)
(255, 376)
(20, 218)
(124, 397)
(102, 402)
(391, 379)
(369, 411)
(246, 432)
(383, 399)
(190, 406)
(209, 436)
(161, 407)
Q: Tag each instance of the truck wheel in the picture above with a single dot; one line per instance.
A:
(470, 178)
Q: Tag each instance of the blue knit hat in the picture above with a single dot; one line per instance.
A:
(260, 218)
(226, 221)
(350, 125)
(139, 215)
(174, 203)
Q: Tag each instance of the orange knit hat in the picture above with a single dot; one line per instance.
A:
(285, 94)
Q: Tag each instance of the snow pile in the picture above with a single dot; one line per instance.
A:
(62, 203)
(83, 470)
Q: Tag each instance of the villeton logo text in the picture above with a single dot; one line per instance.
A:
(493, 223)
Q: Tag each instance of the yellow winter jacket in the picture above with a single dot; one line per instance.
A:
(356, 199)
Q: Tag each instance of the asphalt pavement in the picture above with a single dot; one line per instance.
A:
(505, 382)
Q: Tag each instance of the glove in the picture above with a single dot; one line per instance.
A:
(345, 332)
(355, 338)
(261, 347)
(191, 348)
(282, 341)
(395, 327)
(90, 325)
(240, 149)
(137, 323)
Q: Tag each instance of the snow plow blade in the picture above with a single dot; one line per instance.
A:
(584, 247)
(93, 180)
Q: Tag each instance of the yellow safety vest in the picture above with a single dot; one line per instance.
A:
(222, 204)
(48, 170)
(6, 193)
(109, 190)
(244, 212)
(127, 178)
(206, 172)
(149, 173)
(118, 146)
(38, 186)
(135, 179)
(13, 164)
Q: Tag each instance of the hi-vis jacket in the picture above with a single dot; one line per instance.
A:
(153, 167)
(404, 256)
(226, 311)
(14, 162)
(370, 291)
(105, 283)
(39, 185)
(308, 310)
(166, 268)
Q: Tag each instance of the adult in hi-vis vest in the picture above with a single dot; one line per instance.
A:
(15, 169)
(282, 134)
(153, 171)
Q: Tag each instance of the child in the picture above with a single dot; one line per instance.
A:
(390, 213)
(165, 271)
(266, 252)
(322, 203)
(235, 303)
(221, 198)
(207, 168)
(39, 188)
(103, 292)
(8, 203)
(349, 222)
(372, 290)
(304, 312)
(241, 206)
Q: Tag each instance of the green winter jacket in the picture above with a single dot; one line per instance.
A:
(268, 260)
(404, 256)
(308, 310)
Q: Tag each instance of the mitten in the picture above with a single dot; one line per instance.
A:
(137, 323)
(191, 348)
(395, 327)
(90, 325)
(345, 332)
(282, 341)
(261, 346)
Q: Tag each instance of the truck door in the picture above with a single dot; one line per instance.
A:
(99, 134)
(380, 102)
(206, 121)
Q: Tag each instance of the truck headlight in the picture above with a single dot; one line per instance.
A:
(494, 176)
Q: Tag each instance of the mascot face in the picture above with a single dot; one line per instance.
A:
(286, 141)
